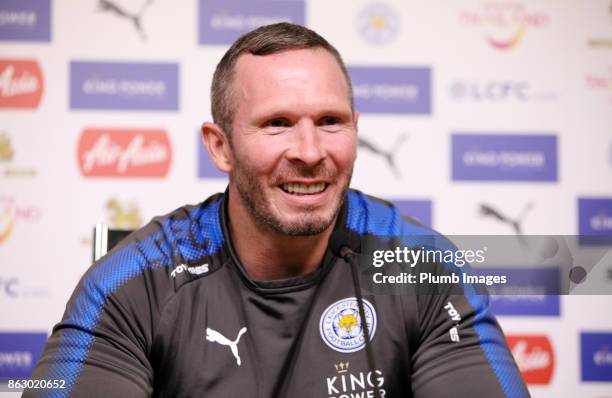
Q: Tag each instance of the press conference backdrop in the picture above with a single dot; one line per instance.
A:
(465, 106)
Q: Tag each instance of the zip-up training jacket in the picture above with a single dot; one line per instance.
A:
(171, 312)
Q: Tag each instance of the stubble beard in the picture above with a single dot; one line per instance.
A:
(259, 205)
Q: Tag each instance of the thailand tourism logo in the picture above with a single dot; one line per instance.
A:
(11, 212)
(504, 24)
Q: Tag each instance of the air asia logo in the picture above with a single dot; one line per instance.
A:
(603, 42)
(6, 157)
(596, 356)
(11, 213)
(222, 21)
(21, 84)
(504, 23)
(600, 82)
(515, 223)
(420, 210)
(378, 23)
(25, 20)
(215, 337)
(504, 157)
(134, 17)
(341, 326)
(124, 153)
(123, 216)
(595, 220)
(358, 384)
(534, 356)
(395, 90)
(124, 86)
(19, 352)
(497, 91)
(387, 155)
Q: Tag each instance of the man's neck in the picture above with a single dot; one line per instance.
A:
(267, 254)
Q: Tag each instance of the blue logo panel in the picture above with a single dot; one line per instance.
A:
(19, 353)
(420, 210)
(595, 221)
(124, 86)
(596, 356)
(504, 157)
(391, 90)
(25, 20)
(223, 21)
(541, 288)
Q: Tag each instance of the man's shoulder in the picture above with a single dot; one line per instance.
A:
(370, 215)
(186, 229)
(170, 250)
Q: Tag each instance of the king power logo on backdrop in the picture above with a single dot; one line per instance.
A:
(21, 83)
(124, 153)
(25, 20)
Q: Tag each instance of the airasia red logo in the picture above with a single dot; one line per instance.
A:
(21, 83)
(124, 153)
(534, 357)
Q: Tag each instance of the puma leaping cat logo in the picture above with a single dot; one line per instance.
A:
(215, 337)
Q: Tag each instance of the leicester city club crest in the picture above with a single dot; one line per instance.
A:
(342, 328)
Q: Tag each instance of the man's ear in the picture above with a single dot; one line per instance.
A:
(356, 123)
(216, 143)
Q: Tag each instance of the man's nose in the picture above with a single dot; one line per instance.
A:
(307, 145)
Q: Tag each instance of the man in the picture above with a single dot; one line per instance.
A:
(240, 296)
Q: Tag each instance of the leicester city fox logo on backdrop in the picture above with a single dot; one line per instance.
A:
(341, 326)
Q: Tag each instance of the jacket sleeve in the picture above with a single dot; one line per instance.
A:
(462, 350)
(101, 346)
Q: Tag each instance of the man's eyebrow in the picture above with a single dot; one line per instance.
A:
(263, 115)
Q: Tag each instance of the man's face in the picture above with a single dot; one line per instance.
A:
(294, 139)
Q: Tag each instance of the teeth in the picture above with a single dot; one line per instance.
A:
(303, 188)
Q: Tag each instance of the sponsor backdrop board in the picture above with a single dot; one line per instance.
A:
(477, 117)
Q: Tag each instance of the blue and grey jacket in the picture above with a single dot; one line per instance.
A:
(172, 312)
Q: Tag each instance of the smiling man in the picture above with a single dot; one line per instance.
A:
(288, 144)
(241, 296)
